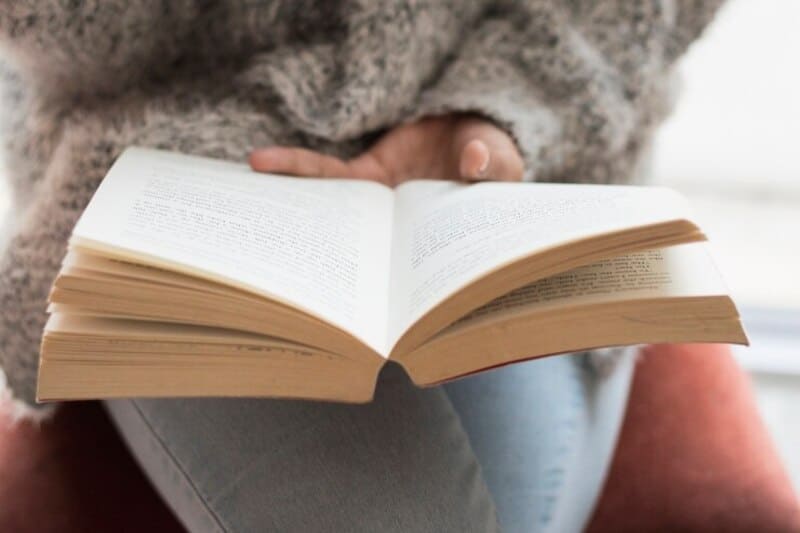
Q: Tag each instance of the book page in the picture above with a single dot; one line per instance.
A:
(448, 234)
(684, 270)
(320, 245)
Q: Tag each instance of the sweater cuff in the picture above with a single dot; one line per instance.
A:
(18, 409)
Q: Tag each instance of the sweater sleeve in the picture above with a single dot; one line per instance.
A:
(580, 86)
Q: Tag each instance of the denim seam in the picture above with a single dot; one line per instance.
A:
(556, 475)
(178, 468)
(474, 471)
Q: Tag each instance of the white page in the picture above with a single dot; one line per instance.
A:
(447, 234)
(320, 245)
(680, 271)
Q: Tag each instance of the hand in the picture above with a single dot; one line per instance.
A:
(457, 147)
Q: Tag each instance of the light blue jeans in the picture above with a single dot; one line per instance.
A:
(525, 448)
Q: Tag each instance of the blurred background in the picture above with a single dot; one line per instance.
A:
(732, 147)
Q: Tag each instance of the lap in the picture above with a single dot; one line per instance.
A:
(413, 460)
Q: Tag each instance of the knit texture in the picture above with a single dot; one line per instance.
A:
(579, 85)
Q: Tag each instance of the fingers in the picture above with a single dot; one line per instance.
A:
(368, 166)
(485, 152)
(298, 162)
(467, 147)
(310, 164)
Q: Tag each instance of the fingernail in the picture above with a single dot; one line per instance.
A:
(485, 166)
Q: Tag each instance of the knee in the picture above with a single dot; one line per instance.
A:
(694, 454)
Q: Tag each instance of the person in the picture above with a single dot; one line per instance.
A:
(387, 91)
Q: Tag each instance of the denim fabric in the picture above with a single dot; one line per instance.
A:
(417, 460)
(544, 432)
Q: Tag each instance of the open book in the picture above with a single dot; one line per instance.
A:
(189, 276)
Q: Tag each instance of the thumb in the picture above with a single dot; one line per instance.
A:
(485, 152)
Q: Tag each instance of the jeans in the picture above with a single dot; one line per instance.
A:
(524, 447)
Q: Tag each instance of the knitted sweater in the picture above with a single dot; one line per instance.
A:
(579, 85)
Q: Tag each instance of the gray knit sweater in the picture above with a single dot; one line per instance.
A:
(580, 85)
